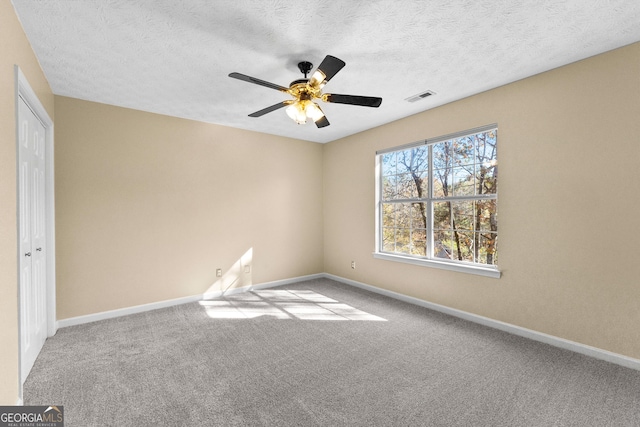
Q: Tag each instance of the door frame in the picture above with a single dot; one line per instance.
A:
(23, 90)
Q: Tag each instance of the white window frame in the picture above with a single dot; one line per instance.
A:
(428, 261)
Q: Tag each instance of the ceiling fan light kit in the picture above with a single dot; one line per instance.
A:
(305, 91)
(300, 110)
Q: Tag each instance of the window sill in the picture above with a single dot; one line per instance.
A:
(461, 268)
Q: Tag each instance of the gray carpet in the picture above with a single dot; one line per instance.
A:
(320, 353)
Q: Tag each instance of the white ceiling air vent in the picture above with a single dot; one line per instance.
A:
(420, 96)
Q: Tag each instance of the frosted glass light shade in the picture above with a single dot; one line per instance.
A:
(297, 113)
(313, 111)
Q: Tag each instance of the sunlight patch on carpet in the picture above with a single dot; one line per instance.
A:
(284, 304)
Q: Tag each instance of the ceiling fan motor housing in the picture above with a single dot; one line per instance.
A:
(305, 67)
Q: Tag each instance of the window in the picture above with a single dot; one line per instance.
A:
(437, 200)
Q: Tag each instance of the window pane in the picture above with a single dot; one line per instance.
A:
(412, 169)
(463, 181)
(487, 248)
(442, 155)
(403, 241)
(463, 246)
(404, 161)
(494, 247)
(463, 215)
(389, 239)
(421, 158)
(388, 215)
(403, 215)
(487, 179)
(442, 244)
(419, 215)
(442, 215)
(486, 147)
(422, 184)
(442, 180)
(486, 215)
(419, 242)
(463, 152)
(406, 187)
(389, 190)
(388, 164)
(412, 185)
(413, 160)
(487, 160)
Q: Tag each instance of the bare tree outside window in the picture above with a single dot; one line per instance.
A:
(439, 200)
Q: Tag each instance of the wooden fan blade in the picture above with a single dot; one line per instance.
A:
(274, 107)
(254, 80)
(322, 122)
(328, 68)
(365, 101)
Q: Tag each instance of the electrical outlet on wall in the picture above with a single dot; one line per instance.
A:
(247, 269)
(353, 265)
(219, 272)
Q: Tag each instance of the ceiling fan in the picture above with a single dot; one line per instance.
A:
(305, 91)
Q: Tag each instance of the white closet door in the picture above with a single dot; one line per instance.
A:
(31, 159)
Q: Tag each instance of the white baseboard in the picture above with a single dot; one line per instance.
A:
(79, 320)
(103, 315)
(576, 347)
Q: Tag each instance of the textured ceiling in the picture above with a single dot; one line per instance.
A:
(173, 56)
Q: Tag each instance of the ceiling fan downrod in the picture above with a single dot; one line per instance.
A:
(305, 67)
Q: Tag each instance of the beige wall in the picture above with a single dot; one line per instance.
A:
(14, 49)
(568, 204)
(148, 206)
